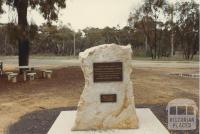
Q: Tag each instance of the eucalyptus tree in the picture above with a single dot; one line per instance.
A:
(187, 27)
(145, 19)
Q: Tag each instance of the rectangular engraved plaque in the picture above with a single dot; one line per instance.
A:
(107, 72)
(108, 98)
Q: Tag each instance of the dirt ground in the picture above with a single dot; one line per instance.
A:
(152, 88)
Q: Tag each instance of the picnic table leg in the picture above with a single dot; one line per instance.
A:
(9, 77)
(14, 79)
(43, 74)
(49, 75)
(32, 77)
(24, 73)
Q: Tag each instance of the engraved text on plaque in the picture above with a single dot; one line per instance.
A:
(107, 72)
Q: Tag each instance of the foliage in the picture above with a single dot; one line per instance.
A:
(158, 32)
(187, 27)
(145, 19)
(48, 8)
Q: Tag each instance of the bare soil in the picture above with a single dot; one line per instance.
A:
(31, 107)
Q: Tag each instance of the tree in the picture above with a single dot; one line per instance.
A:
(170, 11)
(1, 3)
(187, 27)
(145, 19)
(49, 10)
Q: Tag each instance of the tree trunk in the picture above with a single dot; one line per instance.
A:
(155, 17)
(172, 44)
(146, 45)
(172, 32)
(151, 51)
(23, 41)
(5, 45)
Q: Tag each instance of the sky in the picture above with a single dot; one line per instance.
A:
(85, 13)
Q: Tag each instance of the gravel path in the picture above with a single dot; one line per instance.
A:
(65, 62)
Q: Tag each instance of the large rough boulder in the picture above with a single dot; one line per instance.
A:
(92, 112)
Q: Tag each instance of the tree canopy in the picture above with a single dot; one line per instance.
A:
(49, 9)
(156, 19)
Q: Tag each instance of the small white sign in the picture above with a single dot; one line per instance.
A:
(182, 114)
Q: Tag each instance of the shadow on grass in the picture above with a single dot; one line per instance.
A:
(37, 122)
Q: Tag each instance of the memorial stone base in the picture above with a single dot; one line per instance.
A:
(148, 124)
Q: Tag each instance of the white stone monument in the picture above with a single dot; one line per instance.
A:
(107, 101)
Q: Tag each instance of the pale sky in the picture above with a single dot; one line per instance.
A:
(98, 13)
(85, 13)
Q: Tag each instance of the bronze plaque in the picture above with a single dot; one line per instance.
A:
(107, 72)
(108, 98)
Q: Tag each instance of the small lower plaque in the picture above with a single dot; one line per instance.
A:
(105, 98)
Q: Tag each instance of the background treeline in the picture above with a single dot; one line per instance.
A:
(59, 40)
(156, 29)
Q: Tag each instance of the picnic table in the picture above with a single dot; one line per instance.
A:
(30, 71)
(26, 69)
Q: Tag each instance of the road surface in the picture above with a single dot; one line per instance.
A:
(65, 62)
